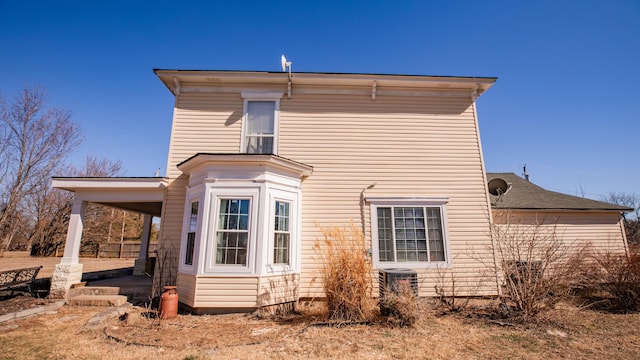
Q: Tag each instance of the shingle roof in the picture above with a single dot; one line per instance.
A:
(526, 195)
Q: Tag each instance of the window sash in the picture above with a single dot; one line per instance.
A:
(410, 234)
(259, 144)
(191, 234)
(232, 235)
(282, 233)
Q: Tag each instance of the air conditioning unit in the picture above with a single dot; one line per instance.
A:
(391, 280)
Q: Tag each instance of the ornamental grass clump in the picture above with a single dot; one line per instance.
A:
(347, 274)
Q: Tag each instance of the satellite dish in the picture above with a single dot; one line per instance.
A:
(498, 187)
(284, 63)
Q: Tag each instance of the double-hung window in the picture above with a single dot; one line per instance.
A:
(260, 126)
(282, 233)
(409, 232)
(232, 234)
(191, 234)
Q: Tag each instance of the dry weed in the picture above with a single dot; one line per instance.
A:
(403, 304)
(347, 273)
(607, 280)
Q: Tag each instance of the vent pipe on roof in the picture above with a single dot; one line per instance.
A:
(524, 172)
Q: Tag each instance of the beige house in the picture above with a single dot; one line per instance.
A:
(259, 160)
(575, 220)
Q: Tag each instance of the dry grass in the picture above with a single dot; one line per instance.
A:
(565, 332)
(347, 274)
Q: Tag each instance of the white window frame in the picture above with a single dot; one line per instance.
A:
(440, 203)
(183, 267)
(261, 96)
(294, 230)
(287, 232)
(211, 244)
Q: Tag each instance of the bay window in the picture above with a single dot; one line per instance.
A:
(244, 216)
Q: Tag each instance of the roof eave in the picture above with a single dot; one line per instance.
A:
(172, 79)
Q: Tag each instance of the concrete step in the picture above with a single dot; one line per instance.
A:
(93, 290)
(97, 300)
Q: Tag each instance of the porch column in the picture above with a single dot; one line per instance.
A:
(141, 262)
(69, 270)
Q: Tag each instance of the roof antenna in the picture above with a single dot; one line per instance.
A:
(524, 172)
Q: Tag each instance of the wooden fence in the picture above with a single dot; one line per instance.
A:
(124, 250)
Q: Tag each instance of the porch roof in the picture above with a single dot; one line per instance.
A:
(140, 194)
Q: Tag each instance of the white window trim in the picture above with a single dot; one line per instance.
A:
(185, 231)
(211, 243)
(402, 202)
(294, 231)
(261, 96)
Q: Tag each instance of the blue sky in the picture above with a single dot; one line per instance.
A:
(565, 102)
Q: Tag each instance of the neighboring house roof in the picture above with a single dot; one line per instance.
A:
(524, 195)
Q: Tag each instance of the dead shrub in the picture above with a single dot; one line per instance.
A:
(402, 304)
(347, 273)
(447, 293)
(532, 260)
(612, 281)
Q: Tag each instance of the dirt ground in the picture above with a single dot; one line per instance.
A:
(567, 332)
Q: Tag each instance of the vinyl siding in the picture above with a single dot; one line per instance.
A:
(278, 289)
(601, 230)
(226, 292)
(186, 289)
(204, 123)
(409, 146)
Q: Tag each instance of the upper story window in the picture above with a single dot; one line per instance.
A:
(410, 232)
(259, 137)
(260, 122)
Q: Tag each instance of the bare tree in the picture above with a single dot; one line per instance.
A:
(632, 219)
(35, 140)
(52, 207)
